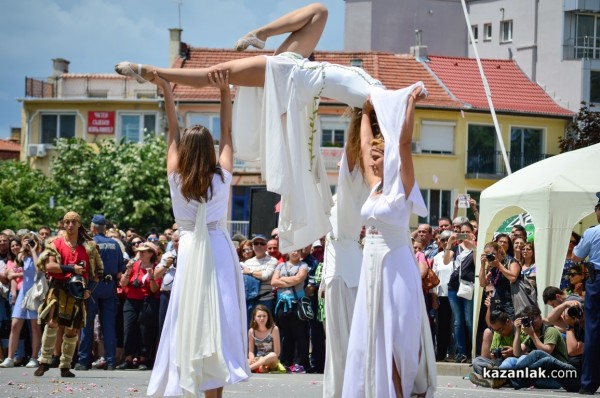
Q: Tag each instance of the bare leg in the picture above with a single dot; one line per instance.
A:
(305, 26)
(13, 339)
(396, 380)
(36, 338)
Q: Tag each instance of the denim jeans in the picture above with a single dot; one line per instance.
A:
(538, 359)
(462, 311)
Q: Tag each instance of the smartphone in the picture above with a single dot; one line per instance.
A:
(462, 236)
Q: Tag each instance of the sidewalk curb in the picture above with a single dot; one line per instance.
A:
(453, 369)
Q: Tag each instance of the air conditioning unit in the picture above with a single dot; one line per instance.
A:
(36, 150)
(416, 147)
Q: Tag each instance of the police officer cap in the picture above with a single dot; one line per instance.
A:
(598, 196)
(99, 219)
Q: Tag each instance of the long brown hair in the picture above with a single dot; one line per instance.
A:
(354, 150)
(263, 308)
(197, 164)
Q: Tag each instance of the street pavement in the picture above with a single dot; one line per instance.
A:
(20, 382)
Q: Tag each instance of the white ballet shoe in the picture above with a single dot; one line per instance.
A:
(249, 40)
(124, 68)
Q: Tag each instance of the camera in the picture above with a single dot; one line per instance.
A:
(490, 257)
(136, 284)
(174, 261)
(497, 352)
(497, 304)
(526, 321)
(108, 278)
(31, 243)
(462, 236)
(575, 312)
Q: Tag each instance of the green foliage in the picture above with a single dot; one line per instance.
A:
(125, 182)
(583, 131)
(24, 197)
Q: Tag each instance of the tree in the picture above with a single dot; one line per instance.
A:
(125, 182)
(25, 197)
(583, 131)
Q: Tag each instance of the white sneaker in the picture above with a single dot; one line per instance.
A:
(33, 363)
(8, 363)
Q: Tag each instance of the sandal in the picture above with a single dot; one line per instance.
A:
(124, 68)
(249, 40)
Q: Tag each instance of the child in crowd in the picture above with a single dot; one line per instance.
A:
(263, 342)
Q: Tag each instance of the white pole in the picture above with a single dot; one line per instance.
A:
(486, 87)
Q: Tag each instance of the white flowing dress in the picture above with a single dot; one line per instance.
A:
(203, 343)
(341, 273)
(390, 324)
(279, 126)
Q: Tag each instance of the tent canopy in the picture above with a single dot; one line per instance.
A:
(557, 192)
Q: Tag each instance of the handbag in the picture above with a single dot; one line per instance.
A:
(36, 295)
(523, 293)
(304, 307)
(465, 289)
(431, 280)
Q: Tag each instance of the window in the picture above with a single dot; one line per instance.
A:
(212, 121)
(586, 37)
(438, 203)
(482, 156)
(475, 30)
(595, 86)
(333, 131)
(525, 147)
(437, 137)
(506, 28)
(134, 126)
(487, 32)
(57, 126)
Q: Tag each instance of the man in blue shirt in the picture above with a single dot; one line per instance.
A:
(103, 300)
(589, 246)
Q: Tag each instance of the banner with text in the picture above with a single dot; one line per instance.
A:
(101, 122)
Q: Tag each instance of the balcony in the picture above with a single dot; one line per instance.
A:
(490, 164)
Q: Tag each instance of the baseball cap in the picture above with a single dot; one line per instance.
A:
(259, 237)
(99, 219)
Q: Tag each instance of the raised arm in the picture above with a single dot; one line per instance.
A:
(173, 134)
(220, 79)
(366, 136)
(407, 171)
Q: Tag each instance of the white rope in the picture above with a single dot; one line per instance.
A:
(486, 87)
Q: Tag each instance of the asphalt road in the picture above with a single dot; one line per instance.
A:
(20, 382)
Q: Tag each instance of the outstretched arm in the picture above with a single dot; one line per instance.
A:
(173, 134)
(220, 79)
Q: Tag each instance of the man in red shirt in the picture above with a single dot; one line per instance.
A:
(69, 262)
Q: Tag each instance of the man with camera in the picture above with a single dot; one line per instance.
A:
(104, 298)
(165, 270)
(589, 246)
(70, 262)
(497, 344)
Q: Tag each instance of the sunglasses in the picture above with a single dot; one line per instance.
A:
(574, 273)
(259, 243)
(573, 242)
(137, 243)
(152, 239)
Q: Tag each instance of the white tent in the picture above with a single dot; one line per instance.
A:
(557, 192)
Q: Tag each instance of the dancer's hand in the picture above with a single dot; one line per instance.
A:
(160, 82)
(417, 94)
(219, 78)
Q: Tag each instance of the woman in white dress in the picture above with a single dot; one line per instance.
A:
(203, 343)
(390, 352)
(274, 115)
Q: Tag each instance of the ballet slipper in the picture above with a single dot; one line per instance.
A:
(124, 68)
(249, 40)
